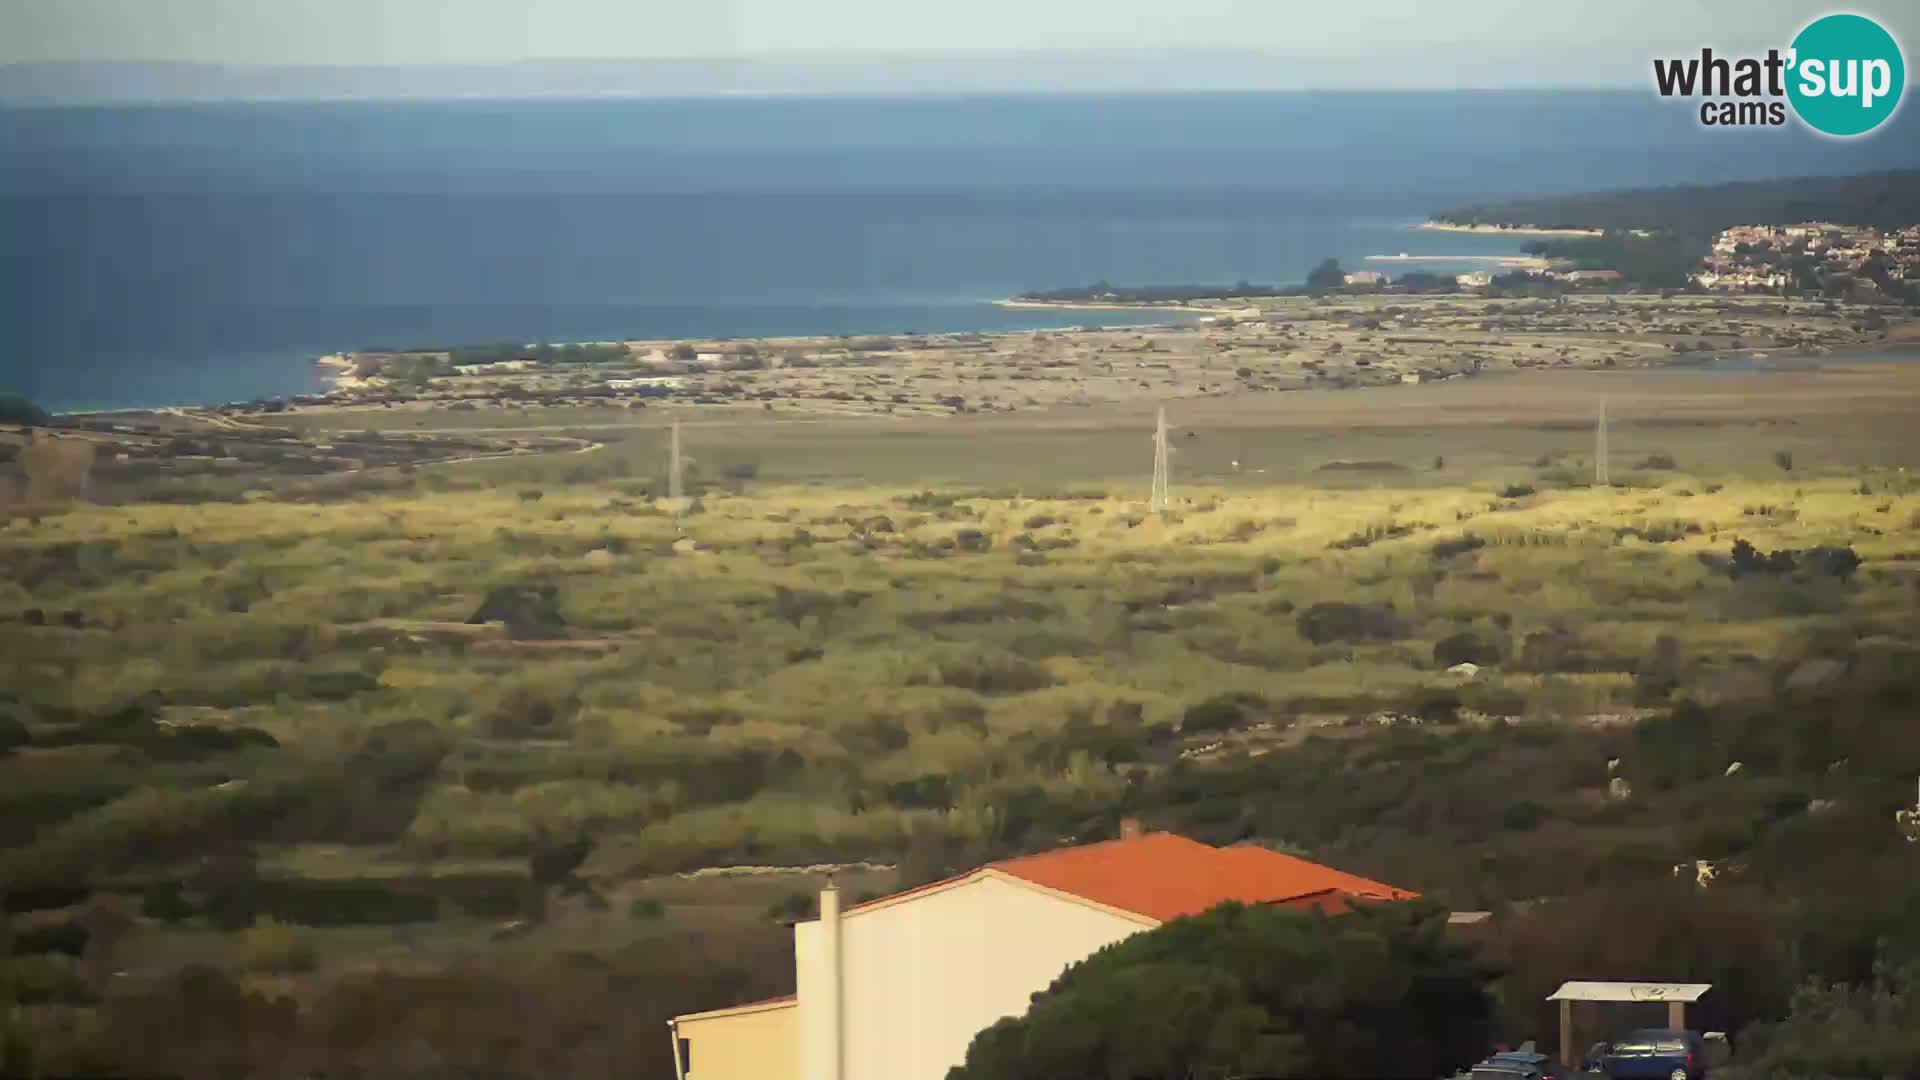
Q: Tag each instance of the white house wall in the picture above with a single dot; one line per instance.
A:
(811, 979)
(923, 976)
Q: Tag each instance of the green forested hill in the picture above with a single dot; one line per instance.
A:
(1882, 199)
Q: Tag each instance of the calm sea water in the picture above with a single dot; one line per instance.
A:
(168, 255)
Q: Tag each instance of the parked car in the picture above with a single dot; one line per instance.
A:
(1521, 1064)
(1655, 1054)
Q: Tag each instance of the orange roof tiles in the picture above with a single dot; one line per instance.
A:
(1259, 860)
(1163, 876)
(763, 1005)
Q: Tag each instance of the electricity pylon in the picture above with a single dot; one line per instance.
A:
(1600, 448)
(676, 501)
(1159, 500)
(673, 469)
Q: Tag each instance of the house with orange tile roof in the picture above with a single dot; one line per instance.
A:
(896, 988)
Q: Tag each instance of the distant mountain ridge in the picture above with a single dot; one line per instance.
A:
(1037, 71)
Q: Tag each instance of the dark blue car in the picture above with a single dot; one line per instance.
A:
(1522, 1064)
(1656, 1054)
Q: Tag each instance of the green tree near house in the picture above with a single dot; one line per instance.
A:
(20, 412)
(1256, 991)
(16, 1056)
(1326, 275)
(1865, 1030)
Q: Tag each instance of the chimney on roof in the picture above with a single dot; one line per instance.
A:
(832, 1002)
(1130, 828)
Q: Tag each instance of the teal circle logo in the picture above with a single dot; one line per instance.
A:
(1845, 75)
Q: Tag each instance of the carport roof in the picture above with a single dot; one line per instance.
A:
(1630, 991)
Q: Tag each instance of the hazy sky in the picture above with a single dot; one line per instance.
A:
(443, 31)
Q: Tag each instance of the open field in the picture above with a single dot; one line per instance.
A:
(1842, 414)
(323, 725)
(1487, 428)
(1221, 349)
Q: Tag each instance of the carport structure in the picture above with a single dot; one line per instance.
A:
(1676, 996)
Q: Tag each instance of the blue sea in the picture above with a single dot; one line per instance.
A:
(197, 254)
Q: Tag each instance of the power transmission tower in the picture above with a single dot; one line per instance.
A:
(676, 501)
(1600, 448)
(1909, 821)
(1159, 500)
(673, 469)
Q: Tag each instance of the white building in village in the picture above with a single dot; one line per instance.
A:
(497, 367)
(896, 989)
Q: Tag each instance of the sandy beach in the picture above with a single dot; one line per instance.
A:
(1503, 230)
(340, 371)
(1265, 344)
(1092, 305)
(1528, 262)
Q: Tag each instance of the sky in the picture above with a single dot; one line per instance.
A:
(1469, 42)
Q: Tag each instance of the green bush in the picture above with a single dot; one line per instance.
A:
(1554, 650)
(1523, 816)
(192, 741)
(1658, 674)
(19, 897)
(1331, 621)
(29, 804)
(49, 979)
(527, 610)
(1198, 994)
(478, 895)
(1436, 705)
(1867, 1030)
(1465, 647)
(322, 902)
(1223, 713)
(931, 792)
(529, 712)
(20, 412)
(991, 674)
(1460, 545)
(1492, 699)
(164, 902)
(13, 734)
(1371, 535)
(646, 909)
(271, 948)
(337, 685)
(66, 939)
(873, 736)
(794, 907)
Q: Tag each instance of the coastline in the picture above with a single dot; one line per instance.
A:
(1503, 230)
(1439, 331)
(339, 372)
(1095, 305)
(1529, 262)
